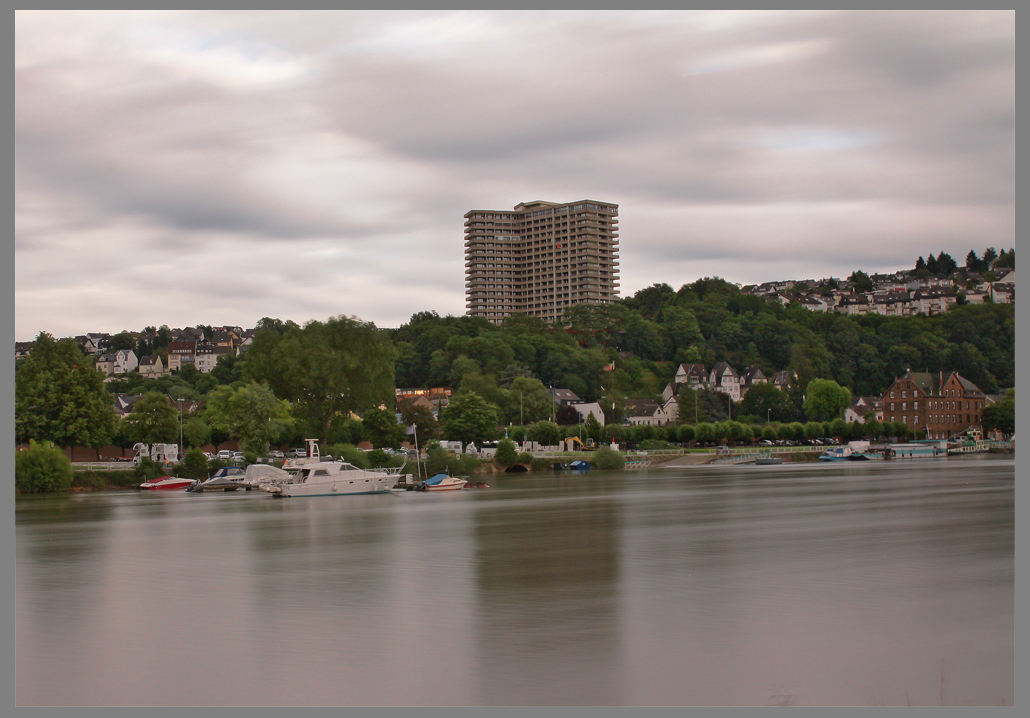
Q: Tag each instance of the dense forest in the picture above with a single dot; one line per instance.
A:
(651, 333)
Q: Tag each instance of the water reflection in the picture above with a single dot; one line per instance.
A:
(548, 572)
(787, 585)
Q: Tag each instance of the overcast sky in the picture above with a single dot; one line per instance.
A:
(216, 167)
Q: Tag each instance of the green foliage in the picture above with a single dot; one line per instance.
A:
(193, 465)
(704, 432)
(60, 397)
(426, 427)
(439, 460)
(378, 458)
(1002, 415)
(861, 282)
(685, 433)
(153, 420)
(196, 432)
(329, 369)
(381, 428)
(544, 433)
(351, 454)
(767, 402)
(825, 399)
(507, 453)
(250, 413)
(592, 427)
(606, 458)
(41, 468)
(655, 445)
(528, 401)
(147, 470)
(525, 458)
(469, 419)
(839, 428)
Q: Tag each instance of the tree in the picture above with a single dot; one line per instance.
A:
(250, 413)
(382, 429)
(1002, 415)
(528, 401)
(196, 432)
(328, 368)
(825, 399)
(60, 397)
(768, 402)
(122, 340)
(153, 419)
(592, 427)
(41, 468)
(193, 465)
(704, 432)
(426, 427)
(469, 418)
(567, 416)
(861, 281)
(507, 454)
(545, 433)
(689, 405)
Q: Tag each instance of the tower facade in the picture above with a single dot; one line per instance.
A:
(540, 258)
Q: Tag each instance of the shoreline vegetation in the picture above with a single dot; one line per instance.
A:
(343, 381)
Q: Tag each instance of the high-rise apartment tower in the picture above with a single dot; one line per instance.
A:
(540, 257)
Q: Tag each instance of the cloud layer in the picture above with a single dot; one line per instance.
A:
(215, 168)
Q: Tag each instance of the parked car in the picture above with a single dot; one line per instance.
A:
(238, 456)
(296, 453)
(276, 455)
(225, 455)
(765, 442)
(208, 455)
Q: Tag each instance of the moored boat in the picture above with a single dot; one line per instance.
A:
(768, 460)
(310, 476)
(166, 483)
(443, 482)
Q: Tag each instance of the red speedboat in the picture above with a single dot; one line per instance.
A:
(166, 483)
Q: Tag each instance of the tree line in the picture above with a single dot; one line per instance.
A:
(335, 380)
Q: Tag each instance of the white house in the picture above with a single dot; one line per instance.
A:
(125, 360)
(725, 380)
(586, 410)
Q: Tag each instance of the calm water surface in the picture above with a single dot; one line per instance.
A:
(853, 584)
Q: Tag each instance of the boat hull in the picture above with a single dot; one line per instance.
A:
(448, 487)
(166, 485)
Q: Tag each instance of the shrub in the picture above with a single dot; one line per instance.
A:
(42, 468)
(88, 480)
(607, 458)
(378, 457)
(506, 454)
(653, 444)
(193, 465)
(147, 470)
(351, 454)
(525, 458)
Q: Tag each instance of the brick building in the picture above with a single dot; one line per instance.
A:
(937, 406)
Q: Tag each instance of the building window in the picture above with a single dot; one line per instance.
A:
(915, 405)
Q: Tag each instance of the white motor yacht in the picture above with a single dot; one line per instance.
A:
(310, 476)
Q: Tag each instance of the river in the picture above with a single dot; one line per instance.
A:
(874, 583)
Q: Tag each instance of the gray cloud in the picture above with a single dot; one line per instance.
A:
(219, 167)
